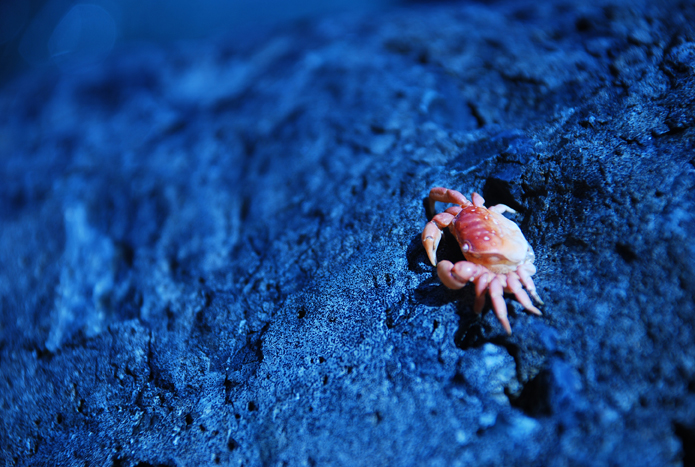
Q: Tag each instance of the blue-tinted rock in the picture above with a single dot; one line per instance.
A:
(210, 254)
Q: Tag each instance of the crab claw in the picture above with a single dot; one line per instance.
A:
(466, 271)
(430, 240)
(446, 273)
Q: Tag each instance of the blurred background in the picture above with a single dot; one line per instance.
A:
(70, 33)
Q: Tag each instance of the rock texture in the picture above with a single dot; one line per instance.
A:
(211, 254)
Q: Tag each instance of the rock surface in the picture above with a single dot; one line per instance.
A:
(211, 254)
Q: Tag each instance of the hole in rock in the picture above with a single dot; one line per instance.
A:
(687, 437)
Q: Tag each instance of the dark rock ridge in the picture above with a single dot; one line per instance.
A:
(211, 255)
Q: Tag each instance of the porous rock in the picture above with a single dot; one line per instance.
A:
(210, 254)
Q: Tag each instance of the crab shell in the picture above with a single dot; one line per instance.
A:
(490, 239)
(498, 257)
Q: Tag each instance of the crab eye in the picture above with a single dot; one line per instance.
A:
(466, 246)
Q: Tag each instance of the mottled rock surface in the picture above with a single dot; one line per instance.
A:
(211, 254)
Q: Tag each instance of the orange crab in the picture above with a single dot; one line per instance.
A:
(499, 259)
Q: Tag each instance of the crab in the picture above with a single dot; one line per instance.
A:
(498, 257)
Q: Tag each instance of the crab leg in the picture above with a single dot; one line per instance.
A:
(514, 286)
(501, 209)
(454, 210)
(478, 200)
(481, 284)
(498, 305)
(525, 271)
(445, 195)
